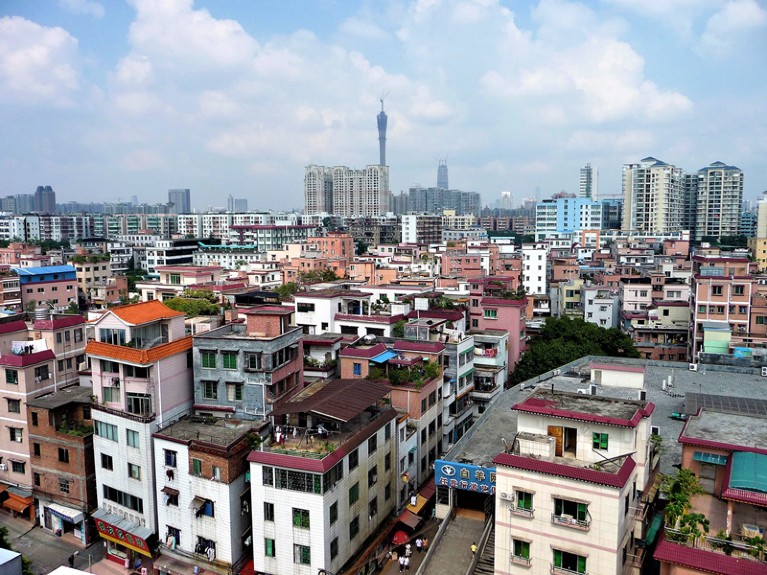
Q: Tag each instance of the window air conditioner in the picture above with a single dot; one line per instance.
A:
(3, 467)
(693, 367)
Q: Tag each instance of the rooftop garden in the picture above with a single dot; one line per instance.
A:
(416, 375)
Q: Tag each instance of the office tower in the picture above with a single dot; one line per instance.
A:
(181, 200)
(230, 203)
(45, 200)
(240, 205)
(720, 194)
(587, 184)
(505, 203)
(652, 197)
(382, 119)
(442, 175)
(134, 200)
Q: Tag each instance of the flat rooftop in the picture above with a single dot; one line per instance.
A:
(73, 394)
(729, 429)
(483, 441)
(596, 408)
(217, 431)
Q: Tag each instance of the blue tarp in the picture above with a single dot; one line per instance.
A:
(384, 357)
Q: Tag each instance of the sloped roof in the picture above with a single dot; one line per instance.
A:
(706, 561)
(59, 322)
(367, 352)
(144, 312)
(341, 399)
(12, 326)
(138, 356)
(27, 358)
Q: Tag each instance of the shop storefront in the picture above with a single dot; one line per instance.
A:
(125, 542)
(64, 521)
(20, 503)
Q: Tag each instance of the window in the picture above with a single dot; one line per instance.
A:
(18, 466)
(716, 290)
(215, 472)
(34, 417)
(113, 336)
(196, 467)
(334, 548)
(78, 335)
(387, 462)
(759, 320)
(387, 432)
(12, 376)
(354, 527)
(354, 459)
(387, 492)
(565, 562)
(572, 513)
(131, 438)
(175, 533)
(302, 554)
(64, 486)
(524, 503)
(599, 440)
(16, 434)
(357, 368)
(207, 509)
(111, 394)
(354, 493)
(209, 390)
(301, 518)
(139, 403)
(14, 406)
(268, 511)
(170, 458)
(229, 359)
(268, 475)
(305, 307)
(124, 499)
(372, 444)
(701, 309)
(253, 361)
(208, 358)
(738, 290)
(63, 455)
(520, 551)
(107, 462)
(269, 547)
(373, 507)
(36, 478)
(491, 314)
(372, 476)
(334, 512)
(234, 391)
(134, 471)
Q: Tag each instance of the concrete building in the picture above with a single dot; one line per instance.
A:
(566, 215)
(353, 192)
(52, 287)
(719, 198)
(421, 229)
(141, 374)
(535, 268)
(652, 197)
(181, 200)
(325, 483)
(45, 200)
(601, 305)
(242, 369)
(587, 182)
(65, 335)
(171, 253)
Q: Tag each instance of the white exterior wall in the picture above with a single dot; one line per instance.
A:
(325, 310)
(535, 269)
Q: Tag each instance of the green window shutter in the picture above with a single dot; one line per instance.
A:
(557, 558)
(581, 564)
(583, 510)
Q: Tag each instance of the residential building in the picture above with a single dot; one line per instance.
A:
(652, 197)
(53, 287)
(203, 494)
(325, 483)
(267, 237)
(64, 334)
(63, 469)
(421, 228)
(587, 183)
(354, 192)
(535, 268)
(436, 200)
(141, 373)
(172, 280)
(566, 215)
(601, 305)
(171, 253)
(491, 368)
(719, 198)
(241, 369)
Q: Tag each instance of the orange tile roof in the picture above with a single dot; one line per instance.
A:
(141, 356)
(144, 312)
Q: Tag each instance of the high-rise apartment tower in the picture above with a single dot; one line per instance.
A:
(442, 175)
(181, 199)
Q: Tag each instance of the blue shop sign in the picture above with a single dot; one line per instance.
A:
(464, 476)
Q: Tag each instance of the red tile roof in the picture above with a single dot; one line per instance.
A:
(423, 346)
(560, 470)
(504, 302)
(705, 561)
(12, 326)
(144, 312)
(544, 406)
(27, 359)
(389, 319)
(59, 322)
(452, 315)
(367, 352)
(140, 356)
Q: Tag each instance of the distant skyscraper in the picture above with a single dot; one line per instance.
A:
(240, 205)
(346, 192)
(45, 200)
(586, 186)
(442, 175)
(505, 203)
(181, 198)
(720, 194)
(382, 119)
(134, 200)
(652, 197)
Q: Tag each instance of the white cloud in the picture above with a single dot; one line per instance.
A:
(726, 28)
(38, 64)
(86, 7)
(364, 28)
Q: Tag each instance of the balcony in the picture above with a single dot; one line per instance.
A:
(522, 512)
(570, 521)
(564, 571)
(519, 560)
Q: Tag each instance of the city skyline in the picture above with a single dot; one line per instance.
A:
(112, 100)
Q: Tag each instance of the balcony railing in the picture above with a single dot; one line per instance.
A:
(568, 521)
(519, 560)
(522, 512)
(562, 571)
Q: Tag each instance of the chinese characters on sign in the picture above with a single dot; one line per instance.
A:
(129, 539)
(465, 476)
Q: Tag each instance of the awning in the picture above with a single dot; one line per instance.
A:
(419, 505)
(714, 458)
(428, 489)
(66, 513)
(123, 531)
(197, 503)
(384, 357)
(410, 519)
(170, 491)
(16, 505)
(652, 532)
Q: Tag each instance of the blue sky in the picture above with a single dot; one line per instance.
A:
(107, 100)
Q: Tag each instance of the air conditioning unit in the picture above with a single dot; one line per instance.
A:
(764, 372)
(3, 467)
(507, 496)
(693, 367)
(82, 366)
(654, 430)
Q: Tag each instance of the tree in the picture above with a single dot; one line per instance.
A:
(192, 307)
(360, 247)
(398, 329)
(73, 308)
(26, 564)
(286, 290)
(563, 340)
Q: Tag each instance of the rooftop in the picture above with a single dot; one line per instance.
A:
(214, 430)
(744, 432)
(144, 312)
(74, 394)
(138, 356)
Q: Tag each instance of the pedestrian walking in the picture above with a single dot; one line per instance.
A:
(71, 561)
(425, 543)
(473, 549)
(407, 563)
(419, 544)
(401, 563)
(408, 550)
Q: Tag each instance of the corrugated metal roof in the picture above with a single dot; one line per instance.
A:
(341, 399)
(749, 471)
(36, 271)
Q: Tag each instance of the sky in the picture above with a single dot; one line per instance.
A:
(105, 100)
